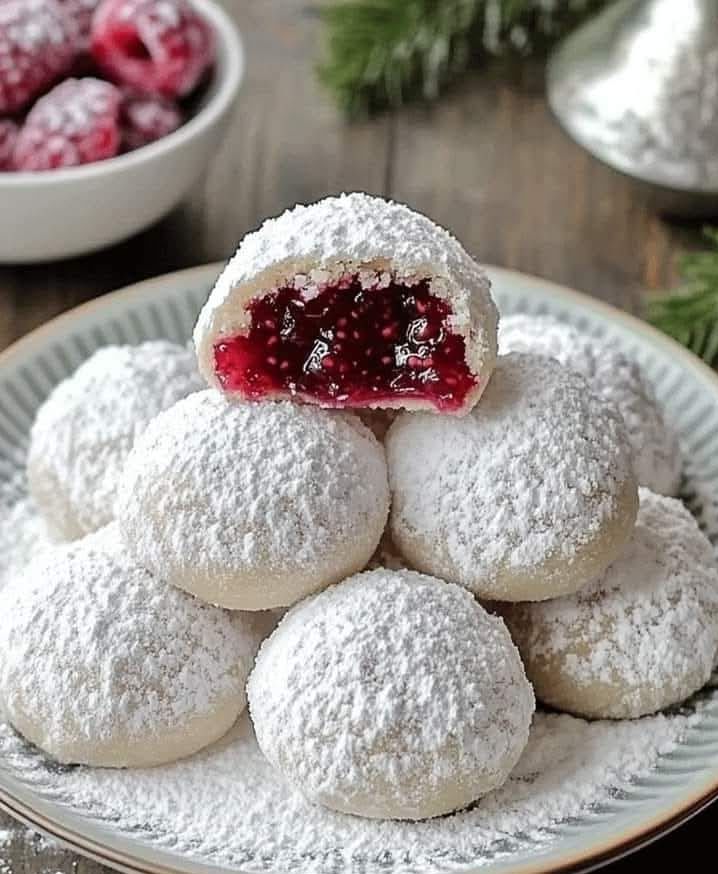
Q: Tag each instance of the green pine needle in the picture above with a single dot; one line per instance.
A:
(690, 315)
(382, 53)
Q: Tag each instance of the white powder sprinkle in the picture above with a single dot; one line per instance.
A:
(520, 487)
(23, 536)
(86, 428)
(226, 806)
(102, 663)
(643, 635)
(32, 25)
(392, 694)
(657, 459)
(345, 236)
(253, 505)
(18, 836)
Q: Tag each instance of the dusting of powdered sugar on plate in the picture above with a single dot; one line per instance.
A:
(226, 806)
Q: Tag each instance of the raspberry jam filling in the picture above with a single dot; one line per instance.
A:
(349, 345)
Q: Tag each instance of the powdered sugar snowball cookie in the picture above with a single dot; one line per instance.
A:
(656, 455)
(527, 498)
(641, 637)
(105, 665)
(391, 695)
(86, 428)
(253, 506)
(353, 301)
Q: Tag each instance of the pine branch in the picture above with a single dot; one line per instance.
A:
(382, 53)
(690, 315)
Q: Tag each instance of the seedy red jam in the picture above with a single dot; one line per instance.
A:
(349, 346)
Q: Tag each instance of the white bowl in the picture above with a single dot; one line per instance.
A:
(61, 213)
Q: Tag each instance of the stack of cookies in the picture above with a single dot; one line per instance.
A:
(439, 518)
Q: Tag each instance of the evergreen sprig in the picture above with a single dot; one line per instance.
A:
(382, 53)
(690, 315)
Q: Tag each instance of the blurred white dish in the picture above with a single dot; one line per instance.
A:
(72, 211)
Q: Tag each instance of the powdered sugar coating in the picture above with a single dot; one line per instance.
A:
(23, 533)
(86, 428)
(103, 664)
(253, 506)
(81, 12)
(75, 123)
(527, 498)
(310, 246)
(38, 44)
(161, 47)
(656, 456)
(146, 118)
(641, 637)
(227, 806)
(391, 695)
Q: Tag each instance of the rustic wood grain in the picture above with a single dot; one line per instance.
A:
(488, 162)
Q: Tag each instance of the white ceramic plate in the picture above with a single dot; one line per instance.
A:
(683, 782)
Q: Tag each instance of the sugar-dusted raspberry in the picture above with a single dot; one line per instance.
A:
(8, 136)
(81, 12)
(146, 118)
(38, 44)
(156, 46)
(76, 123)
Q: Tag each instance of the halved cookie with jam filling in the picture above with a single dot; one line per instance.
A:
(351, 302)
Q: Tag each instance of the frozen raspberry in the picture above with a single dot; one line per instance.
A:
(76, 123)
(156, 46)
(8, 135)
(81, 12)
(38, 44)
(146, 118)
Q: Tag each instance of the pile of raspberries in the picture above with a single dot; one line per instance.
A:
(85, 80)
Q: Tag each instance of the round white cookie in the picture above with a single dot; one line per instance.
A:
(85, 429)
(105, 665)
(253, 506)
(353, 301)
(527, 498)
(641, 637)
(392, 695)
(656, 455)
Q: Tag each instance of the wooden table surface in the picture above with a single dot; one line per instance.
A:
(488, 162)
